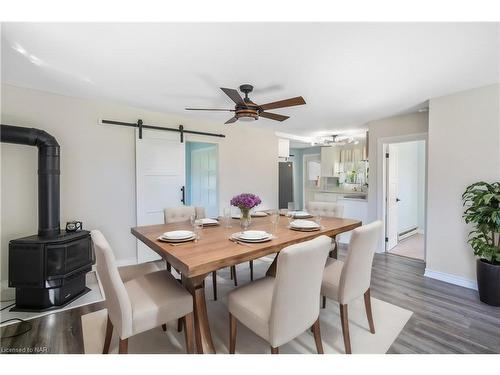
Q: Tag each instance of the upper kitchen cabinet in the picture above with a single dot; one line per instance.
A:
(330, 158)
(344, 161)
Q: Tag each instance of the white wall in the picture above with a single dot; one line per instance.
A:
(393, 129)
(422, 185)
(98, 164)
(411, 184)
(464, 147)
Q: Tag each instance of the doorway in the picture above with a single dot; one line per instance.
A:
(405, 198)
(202, 177)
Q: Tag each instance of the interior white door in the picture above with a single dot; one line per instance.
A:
(160, 176)
(391, 223)
(204, 180)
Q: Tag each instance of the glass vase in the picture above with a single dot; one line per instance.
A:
(245, 219)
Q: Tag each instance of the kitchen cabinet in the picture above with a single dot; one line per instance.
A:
(330, 157)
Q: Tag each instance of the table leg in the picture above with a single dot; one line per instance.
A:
(203, 337)
(335, 252)
(271, 271)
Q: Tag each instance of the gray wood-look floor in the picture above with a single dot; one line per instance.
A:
(446, 319)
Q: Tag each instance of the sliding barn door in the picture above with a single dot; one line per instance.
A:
(160, 177)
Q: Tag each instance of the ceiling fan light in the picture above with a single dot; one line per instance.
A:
(247, 118)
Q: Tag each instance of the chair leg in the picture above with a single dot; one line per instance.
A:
(251, 270)
(179, 325)
(109, 334)
(317, 337)
(323, 303)
(123, 346)
(164, 327)
(275, 350)
(368, 308)
(232, 333)
(233, 271)
(214, 284)
(188, 333)
(345, 328)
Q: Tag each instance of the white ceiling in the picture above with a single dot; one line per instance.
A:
(348, 73)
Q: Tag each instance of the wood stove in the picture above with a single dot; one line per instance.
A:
(48, 269)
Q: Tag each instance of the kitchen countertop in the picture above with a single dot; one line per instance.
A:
(345, 193)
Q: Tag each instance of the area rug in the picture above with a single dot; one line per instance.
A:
(389, 321)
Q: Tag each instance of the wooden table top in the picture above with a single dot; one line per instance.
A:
(214, 250)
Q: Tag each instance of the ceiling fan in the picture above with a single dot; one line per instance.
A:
(246, 110)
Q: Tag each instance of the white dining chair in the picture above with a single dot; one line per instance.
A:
(183, 213)
(280, 309)
(346, 281)
(137, 301)
(326, 209)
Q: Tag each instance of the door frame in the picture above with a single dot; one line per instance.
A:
(382, 145)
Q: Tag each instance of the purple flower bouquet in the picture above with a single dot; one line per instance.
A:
(245, 202)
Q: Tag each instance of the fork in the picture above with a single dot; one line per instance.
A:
(239, 242)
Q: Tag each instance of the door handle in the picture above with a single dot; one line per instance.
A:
(183, 191)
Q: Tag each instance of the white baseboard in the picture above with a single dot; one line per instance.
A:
(452, 279)
(407, 234)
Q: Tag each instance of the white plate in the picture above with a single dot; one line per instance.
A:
(300, 214)
(177, 235)
(304, 224)
(253, 235)
(236, 236)
(163, 239)
(207, 221)
(258, 214)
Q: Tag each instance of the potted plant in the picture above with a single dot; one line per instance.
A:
(482, 202)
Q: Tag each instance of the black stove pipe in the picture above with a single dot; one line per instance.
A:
(48, 173)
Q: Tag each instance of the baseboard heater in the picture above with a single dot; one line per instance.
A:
(407, 233)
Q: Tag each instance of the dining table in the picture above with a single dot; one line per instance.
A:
(215, 250)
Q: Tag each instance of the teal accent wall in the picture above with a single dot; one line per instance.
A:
(190, 147)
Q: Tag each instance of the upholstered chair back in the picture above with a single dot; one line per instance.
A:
(117, 299)
(295, 305)
(357, 270)
(326, 209)
(182, 213)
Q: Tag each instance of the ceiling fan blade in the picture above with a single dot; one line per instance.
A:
(233, 94)
(209, 109)
(273, 116)
(231, 120)
(299, 100)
